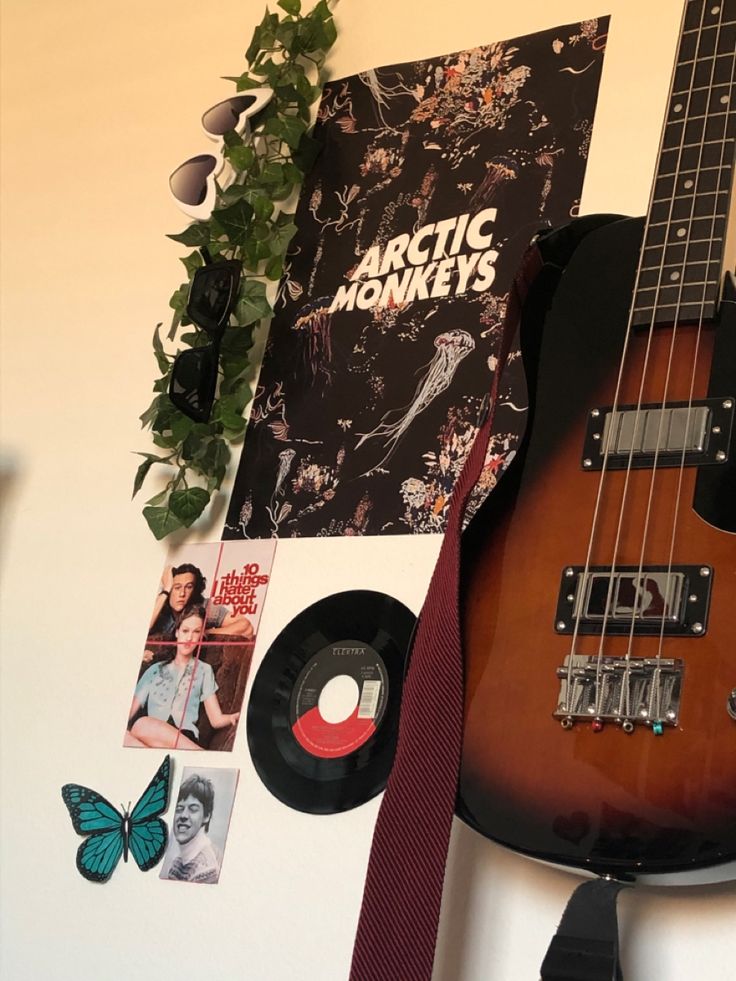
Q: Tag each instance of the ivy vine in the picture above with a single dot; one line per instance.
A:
(287, 53)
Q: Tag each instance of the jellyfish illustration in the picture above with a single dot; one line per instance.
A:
(313, 324)
(452, 347)
(286, 458)
(246, 513)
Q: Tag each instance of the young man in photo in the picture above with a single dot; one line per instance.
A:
(183, 586)
(195, 857)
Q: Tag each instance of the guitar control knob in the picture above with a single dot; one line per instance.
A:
(731, 704)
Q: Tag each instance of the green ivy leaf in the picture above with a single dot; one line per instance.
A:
(270, 70)
(260, 202)
(232, 368)
(274, 267)
(238, 395)
(271, 173)
(179, 298)
(231, 138)
(235, 221)
(196, 235)
(164, 441)
(286, 32)
(158, 349)
(241, 157)
(229, 415)
(192, 262)
(159, 498)
(262, 36)
(194, 444)
(290, 129)
(181, 426)
(216, 456)
(244, 82)
(236, 343)
(187, 505)
(152, 411)
(292, 173)
(252, 303)
(161, 521)
(281, 237)
(232, 194)
(306, 91)
(290, 6)
(142, 471)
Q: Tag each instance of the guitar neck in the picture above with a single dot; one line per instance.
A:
(683, 251)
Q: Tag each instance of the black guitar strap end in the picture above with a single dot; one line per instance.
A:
(585, 947)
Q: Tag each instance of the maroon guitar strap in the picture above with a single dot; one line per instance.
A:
(397, 930)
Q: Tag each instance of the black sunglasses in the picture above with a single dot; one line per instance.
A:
(212, 298)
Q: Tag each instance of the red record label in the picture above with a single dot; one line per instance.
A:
(332, 740)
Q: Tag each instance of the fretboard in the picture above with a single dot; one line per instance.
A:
(681, 265)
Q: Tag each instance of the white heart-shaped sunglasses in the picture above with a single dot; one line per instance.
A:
(192, 184)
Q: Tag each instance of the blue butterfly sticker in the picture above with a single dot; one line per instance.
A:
(111, 834)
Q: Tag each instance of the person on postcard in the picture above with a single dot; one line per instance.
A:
(195, 858)
(165, 709)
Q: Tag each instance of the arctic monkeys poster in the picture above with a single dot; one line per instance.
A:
(433, 177)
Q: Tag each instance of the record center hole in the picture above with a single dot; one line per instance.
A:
(338, 699)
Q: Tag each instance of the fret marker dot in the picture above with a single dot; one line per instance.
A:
(689, 184)
(674, 276)
(678, 107)
(723, 100)
(680, 232)
(715, 10)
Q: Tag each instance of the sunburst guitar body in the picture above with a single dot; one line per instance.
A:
(599, 589)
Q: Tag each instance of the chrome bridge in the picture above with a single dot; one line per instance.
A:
(628, 691)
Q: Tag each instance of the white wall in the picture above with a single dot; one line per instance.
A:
(101, 100)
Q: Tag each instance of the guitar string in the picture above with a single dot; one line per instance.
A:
(654, 707)
(583, 580)
(655, 693)
(642, 385)
(725, 163)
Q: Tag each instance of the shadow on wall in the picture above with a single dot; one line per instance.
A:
(9, 486)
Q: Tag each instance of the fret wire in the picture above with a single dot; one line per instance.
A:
(703, 58)
(679, 221)
(691, 146)
(702, 88)
(709, 27)
(676, 284)
(683, 305)
(686, 197)
(677, 265)
(692, 241)
(705, 115)
(690, 170)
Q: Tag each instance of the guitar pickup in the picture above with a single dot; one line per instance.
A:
(651, 600)
(678, 433)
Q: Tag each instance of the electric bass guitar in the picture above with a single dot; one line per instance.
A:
(599, 596)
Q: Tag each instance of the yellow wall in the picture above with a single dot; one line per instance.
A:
(100, 101)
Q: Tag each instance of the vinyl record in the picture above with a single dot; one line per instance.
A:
(324, 709)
